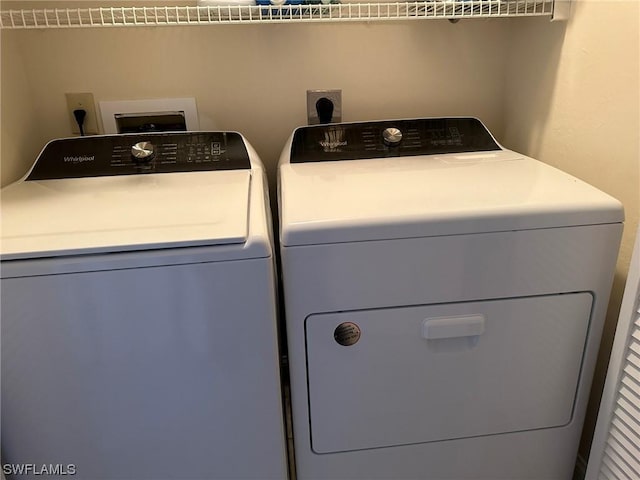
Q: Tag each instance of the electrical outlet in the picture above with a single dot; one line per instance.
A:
(82, 101)
(335, 96)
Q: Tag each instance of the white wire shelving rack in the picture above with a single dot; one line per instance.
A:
(216, 15)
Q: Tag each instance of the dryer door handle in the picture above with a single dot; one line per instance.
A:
(453, 327)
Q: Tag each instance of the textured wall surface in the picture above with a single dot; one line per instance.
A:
(573, 101)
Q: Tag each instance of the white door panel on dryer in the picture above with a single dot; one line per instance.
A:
(485, 368)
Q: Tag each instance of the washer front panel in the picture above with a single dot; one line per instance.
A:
(141, 373)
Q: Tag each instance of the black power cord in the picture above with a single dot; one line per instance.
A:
(80, 115)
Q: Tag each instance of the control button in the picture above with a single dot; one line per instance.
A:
(391, 136)
(142, 152)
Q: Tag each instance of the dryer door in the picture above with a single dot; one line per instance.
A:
(395, 376)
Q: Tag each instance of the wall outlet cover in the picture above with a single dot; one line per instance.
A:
(312, 98)
(82, 101)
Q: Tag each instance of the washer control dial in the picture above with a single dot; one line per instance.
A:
(391, 136)
(142, 152)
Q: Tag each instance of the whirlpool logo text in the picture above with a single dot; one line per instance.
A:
(80, 159)
(333, 140)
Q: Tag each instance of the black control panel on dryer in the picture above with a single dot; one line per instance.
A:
(391, 138)
(141, 154)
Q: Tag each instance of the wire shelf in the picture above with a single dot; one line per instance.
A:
(215, 15)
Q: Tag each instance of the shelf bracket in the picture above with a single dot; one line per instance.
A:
(561, 10)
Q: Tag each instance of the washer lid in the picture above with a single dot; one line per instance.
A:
(123, 213)
(403, 197)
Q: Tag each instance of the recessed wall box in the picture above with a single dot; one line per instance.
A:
(165, 114)
(151, 122)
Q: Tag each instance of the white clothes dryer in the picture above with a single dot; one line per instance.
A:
(444, 302)
(139, 334)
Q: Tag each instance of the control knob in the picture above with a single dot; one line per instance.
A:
(142, 152)
(391, 136)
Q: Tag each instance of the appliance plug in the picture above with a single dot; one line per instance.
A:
(80, 115)
(324, 107)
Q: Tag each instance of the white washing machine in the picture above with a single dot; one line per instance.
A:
(139, 334)
(444, 302)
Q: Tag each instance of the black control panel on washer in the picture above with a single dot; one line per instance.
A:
(392, 138)
(134, 154)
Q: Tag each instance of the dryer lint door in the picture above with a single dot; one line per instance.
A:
(395, 376)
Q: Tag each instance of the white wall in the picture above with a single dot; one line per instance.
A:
(253, 78)
(20, 137)
(573, 101)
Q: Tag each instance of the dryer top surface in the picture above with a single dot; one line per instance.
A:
(432, 195)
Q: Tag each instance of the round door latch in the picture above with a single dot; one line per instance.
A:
(347, 334)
